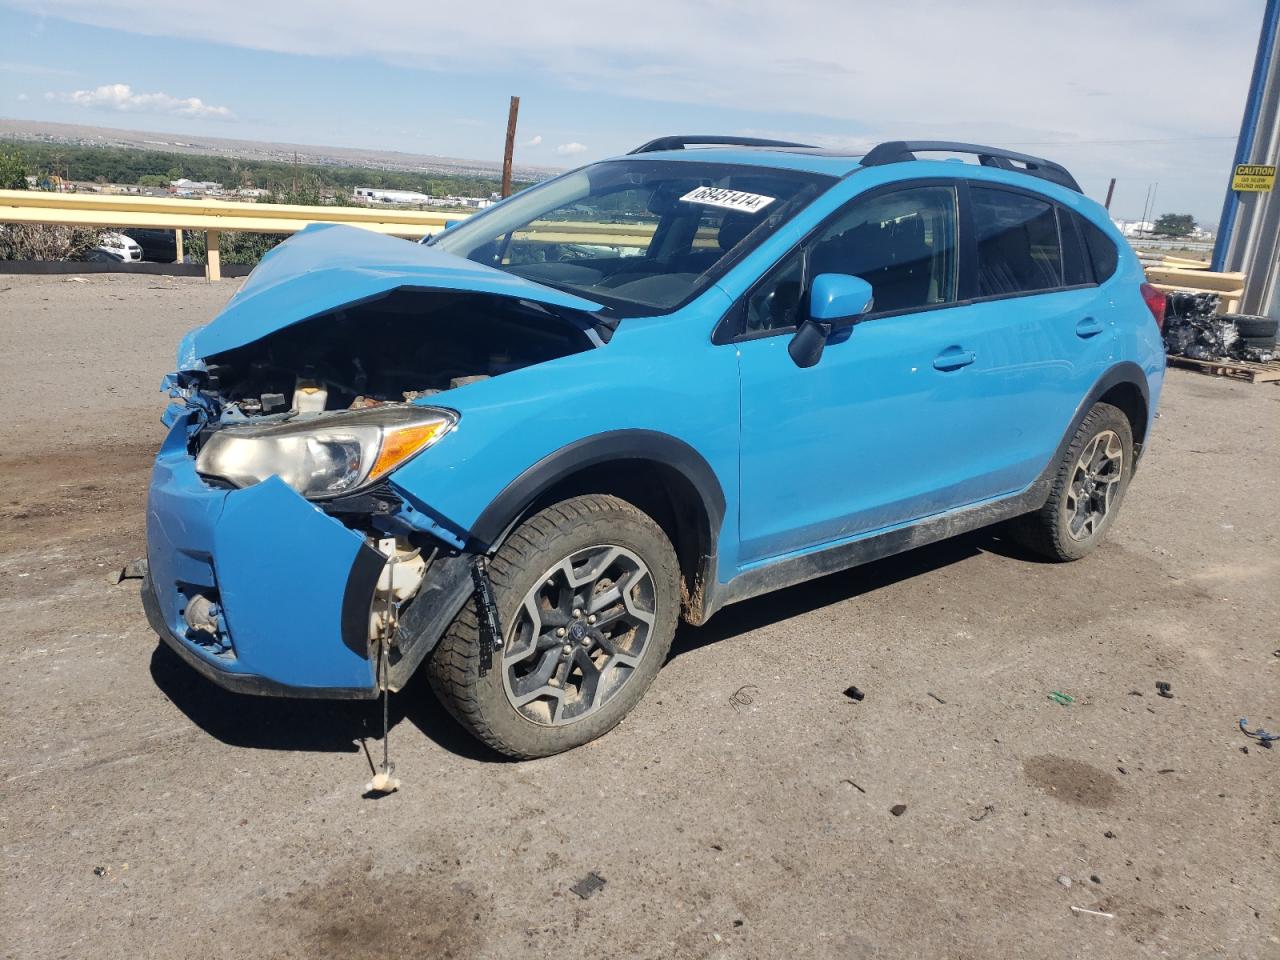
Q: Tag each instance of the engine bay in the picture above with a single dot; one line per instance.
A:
(404, 346)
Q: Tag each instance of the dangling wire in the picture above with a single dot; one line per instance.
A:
(383, 781)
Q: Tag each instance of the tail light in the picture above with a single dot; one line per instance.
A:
(1156, 301)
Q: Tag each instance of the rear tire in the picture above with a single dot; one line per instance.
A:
(1088, 488)
(588, 597)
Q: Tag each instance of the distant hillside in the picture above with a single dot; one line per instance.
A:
(28, 132)
(293, 183)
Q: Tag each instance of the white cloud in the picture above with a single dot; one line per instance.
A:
(121, 97)
(23, 96)
(1033, 74)
(534, 141)
(877, 65)
(571, 149)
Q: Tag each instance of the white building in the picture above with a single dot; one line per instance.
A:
(1132, 228)
(378, 195)
(475, 203)
(194, 188)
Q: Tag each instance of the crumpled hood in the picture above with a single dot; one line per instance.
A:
(327, 266)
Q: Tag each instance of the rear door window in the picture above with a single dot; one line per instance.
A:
(1019, 250)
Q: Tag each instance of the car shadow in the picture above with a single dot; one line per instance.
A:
(324, 726)
(354, 726)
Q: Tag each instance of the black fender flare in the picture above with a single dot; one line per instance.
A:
(515, 498)
(448, 584)
(1125, 372)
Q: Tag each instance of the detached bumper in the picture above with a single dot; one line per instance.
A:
(290, 588)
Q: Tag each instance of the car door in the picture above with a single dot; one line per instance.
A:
(1051, 330)
(912, 412)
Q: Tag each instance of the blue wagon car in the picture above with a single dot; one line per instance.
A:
(518, 454)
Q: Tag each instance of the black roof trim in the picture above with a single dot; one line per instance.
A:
(902, 151)
(681, 142)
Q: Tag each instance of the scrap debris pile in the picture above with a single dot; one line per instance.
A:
(1194, 328)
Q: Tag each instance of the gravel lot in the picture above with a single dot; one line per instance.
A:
(146, 813)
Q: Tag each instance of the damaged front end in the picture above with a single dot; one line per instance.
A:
(283, 556)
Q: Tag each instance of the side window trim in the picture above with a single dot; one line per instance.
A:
(730, 327)
(968, 280)
(1072, 221)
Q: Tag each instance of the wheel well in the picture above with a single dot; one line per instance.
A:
(1130, 400)
(666, 495)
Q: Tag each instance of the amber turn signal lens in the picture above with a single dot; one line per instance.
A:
(402, 443)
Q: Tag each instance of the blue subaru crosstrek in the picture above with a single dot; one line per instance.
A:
(519, 453)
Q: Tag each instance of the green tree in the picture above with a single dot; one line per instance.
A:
(1174, 225)
(13, 172)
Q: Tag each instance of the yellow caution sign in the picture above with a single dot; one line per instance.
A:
(1253, 177)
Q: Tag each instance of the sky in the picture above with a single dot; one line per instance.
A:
(1147, 91)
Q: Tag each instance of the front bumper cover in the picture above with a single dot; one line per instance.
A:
(293, 587)
(248, 683)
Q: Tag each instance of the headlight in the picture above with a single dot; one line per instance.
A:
(327, 455)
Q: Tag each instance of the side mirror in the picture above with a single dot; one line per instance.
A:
(836, 301)
(839, 299)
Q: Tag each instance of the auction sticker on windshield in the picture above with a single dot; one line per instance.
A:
(729, 199)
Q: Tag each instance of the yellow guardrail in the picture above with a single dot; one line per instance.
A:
(215, 217)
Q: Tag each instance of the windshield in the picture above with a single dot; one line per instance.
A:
(639, 236)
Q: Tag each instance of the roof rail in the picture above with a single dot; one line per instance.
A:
(899, 151)
(679, 143)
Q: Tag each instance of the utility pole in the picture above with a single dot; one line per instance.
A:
(511, 146)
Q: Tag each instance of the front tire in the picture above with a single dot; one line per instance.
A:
(1087, 490)
(588, 596)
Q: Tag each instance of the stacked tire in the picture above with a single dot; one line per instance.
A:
(1256, 337)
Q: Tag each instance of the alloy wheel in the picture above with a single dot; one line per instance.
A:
(1095, 483)
(578, 635)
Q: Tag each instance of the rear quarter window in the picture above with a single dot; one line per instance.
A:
(1076, 269)
(1102, 250)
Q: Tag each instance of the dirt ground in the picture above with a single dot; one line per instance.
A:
(145, 813)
